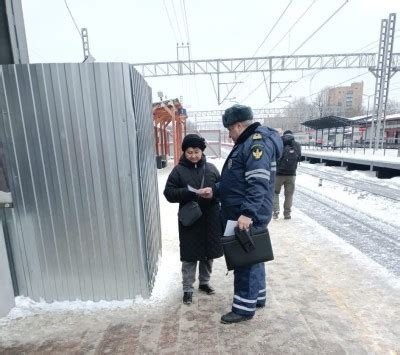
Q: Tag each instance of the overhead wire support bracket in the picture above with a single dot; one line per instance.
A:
(270, 64)
(87, 57)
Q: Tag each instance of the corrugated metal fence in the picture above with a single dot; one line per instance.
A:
(80, 149)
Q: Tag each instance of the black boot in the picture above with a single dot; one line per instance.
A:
(187, 297)
(233, 317)
(207, 288)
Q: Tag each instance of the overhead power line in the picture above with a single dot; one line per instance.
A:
(290, 29)
(262, 43)
(170, 22)
(363, 48)
(322, 25)
(185, 19)
(177, 21)
(341, 83)
(73, 19)
(301, 45)
(273, 27)
(373, 43)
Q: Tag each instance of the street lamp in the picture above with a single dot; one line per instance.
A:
(368, 101)
(282, 98)
(233, 99)
(372, 121)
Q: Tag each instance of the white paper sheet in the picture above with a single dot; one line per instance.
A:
(230, 228)
(192, 189)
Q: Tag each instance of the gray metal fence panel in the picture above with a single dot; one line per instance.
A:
(147, 165)
(72, 140)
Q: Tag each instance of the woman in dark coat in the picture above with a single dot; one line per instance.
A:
(200, 241)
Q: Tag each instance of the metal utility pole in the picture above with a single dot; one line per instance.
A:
(13, 46)
(88, 58)
(383, 72)
(182, 46)
(13, 50)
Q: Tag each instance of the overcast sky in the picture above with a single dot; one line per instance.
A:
(136, 31)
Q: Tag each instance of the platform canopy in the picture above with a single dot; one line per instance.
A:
(328, 122)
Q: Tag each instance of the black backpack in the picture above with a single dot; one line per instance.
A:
(288, 161)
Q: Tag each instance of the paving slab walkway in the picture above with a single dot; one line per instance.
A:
(324, 297)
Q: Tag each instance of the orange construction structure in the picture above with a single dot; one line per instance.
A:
(166, 113)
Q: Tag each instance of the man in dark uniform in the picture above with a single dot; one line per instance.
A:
(246, 193)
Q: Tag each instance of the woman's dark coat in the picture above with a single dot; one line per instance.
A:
(201, 240)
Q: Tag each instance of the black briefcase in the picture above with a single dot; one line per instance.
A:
(256, 250)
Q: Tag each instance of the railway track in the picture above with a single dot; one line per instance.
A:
(368, 186)
(379, 240)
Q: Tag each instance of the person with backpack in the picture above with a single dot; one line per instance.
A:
(286, 174)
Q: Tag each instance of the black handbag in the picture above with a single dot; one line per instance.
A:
(191, 211)
(247, 248)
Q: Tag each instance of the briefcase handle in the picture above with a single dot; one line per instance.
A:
(245, 239)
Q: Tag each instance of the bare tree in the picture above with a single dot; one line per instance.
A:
(296, 112)
(392, 107)
(320, 103)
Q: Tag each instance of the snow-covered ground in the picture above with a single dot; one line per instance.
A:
(167, 285)
(375, 206)
(388, 156)
(5, 197)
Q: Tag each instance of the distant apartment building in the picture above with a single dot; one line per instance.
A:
(346, 100)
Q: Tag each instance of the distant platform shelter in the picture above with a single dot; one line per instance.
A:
(336, 131)
(329, 124)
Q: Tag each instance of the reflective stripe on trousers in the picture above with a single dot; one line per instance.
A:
(249, 289)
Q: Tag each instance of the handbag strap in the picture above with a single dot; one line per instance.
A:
(204, 173)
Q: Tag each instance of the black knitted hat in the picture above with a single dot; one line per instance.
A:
(288, 132)
(236, 113)
(193, 141)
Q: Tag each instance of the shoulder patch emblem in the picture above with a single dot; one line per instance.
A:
(257, 153)
(257, 136)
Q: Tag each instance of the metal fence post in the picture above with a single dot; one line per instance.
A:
(7, 300)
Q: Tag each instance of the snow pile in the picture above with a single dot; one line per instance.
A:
(27, 307)
(389, 157)
(5, 197)
(374, 206)
(165, 281)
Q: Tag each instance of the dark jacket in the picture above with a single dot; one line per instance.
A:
(248, 176)
(200, 241)
(289, 141)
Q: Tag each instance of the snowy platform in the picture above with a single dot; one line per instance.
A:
(324, 296)
(390, 161)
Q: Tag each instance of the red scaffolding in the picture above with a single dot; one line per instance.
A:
(166, 113)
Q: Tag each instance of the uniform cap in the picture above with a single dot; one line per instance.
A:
(236, 113)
